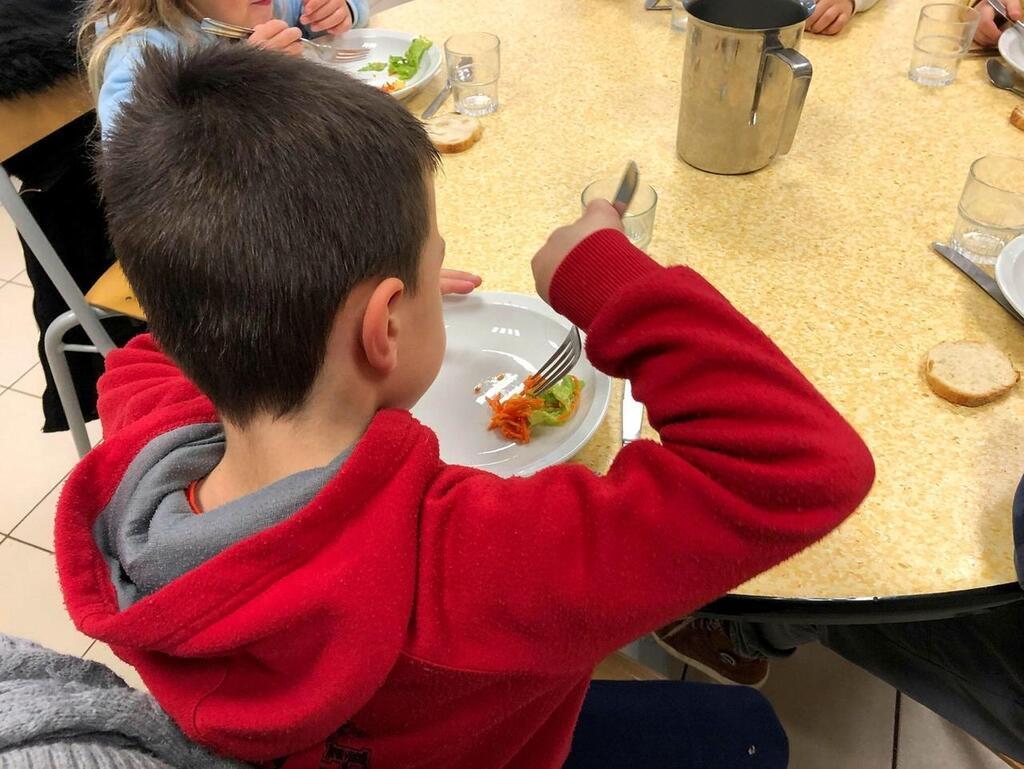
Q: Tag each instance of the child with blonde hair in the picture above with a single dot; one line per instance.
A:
(114, 32)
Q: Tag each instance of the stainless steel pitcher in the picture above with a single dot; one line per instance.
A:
(744, 83)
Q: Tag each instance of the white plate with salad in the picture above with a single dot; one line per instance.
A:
(495, 341)
(399, 63)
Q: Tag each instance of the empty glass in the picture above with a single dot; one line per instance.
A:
(991, 209)
(944, 33)
(474, 63)
(679, 15)
(639, 219)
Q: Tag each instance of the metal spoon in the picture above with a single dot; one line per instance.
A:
(1002, 76)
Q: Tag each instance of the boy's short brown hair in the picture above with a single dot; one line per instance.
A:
(247, 193)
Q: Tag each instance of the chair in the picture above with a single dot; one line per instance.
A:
(28, 119)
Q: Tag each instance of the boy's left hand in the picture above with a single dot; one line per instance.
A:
(331, 16)
(458, 282)
(830, 16)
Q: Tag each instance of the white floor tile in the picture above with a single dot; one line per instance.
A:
(37, 528)
(928, 741)
(836, 715)
(31, 462)
(32, 383)
(18, 333)
(12, 260)
(102, 653)
(30, 602)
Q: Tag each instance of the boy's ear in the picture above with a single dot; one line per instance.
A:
(380, 326)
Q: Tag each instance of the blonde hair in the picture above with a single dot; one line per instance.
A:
(120, 18)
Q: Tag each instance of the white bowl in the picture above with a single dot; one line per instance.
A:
(1010, 273)
(491, 334)
(388, 42)
(1011, 47)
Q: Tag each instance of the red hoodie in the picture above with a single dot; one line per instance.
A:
(415, 614)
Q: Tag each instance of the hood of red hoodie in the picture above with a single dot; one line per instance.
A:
(274, 643)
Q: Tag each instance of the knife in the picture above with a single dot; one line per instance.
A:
(627, 188)
(632, 415)
(978, 275)
(440, 99)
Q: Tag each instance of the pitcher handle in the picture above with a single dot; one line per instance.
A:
(800, 66)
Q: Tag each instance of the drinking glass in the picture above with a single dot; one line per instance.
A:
(944, 33)
(991, 209)
(679, 15)
(638, 221)
(474, 63)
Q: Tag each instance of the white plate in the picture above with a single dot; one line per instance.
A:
(388, 42)
(492, 333)
(1011, 47)
(1010, 273)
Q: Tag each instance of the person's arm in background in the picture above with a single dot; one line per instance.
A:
(989, 28)
(831, 16)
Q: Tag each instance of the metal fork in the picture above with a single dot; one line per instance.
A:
(326, 52)
(561, 362)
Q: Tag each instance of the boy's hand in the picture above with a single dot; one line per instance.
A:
(830, 16)
(988, 31)
(600, 215)
(332, 16)
(458, 282)
(276, 35)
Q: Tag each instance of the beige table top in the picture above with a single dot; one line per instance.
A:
(827, 250)
(29, 118)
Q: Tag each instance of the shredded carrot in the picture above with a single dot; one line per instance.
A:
(512, 416)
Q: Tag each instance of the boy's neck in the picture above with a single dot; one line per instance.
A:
(268, 449)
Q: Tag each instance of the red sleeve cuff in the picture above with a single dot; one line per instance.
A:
(594, 271)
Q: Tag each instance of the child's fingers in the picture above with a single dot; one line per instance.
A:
(827, 17)
(988, 33)
(837, 26)
(344, 27)
(461, 275)
(1013, 7)
(261, 33)
(452, 286)
(332, 20)
(311, 7)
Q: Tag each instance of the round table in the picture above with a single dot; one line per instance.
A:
(827, 250)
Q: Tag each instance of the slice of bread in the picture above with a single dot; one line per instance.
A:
(1017, 117)
(969, 373)
(454, 133)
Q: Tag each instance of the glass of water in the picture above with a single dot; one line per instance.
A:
(991, 209)
(474, 63)
(679, 15)
(638, 221)
(944, 33)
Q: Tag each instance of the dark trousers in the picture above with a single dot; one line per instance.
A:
(969, 670)
(675, 725)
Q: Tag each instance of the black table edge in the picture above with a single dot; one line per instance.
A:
(863, 611)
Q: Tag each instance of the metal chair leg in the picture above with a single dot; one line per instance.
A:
(56, 356)
(55, 269)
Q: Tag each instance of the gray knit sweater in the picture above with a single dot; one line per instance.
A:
(62, 712)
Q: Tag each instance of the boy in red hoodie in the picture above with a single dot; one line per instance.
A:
(271, 539)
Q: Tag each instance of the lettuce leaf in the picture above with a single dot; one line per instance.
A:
(405, 67)
(559, 403)
(374, 66)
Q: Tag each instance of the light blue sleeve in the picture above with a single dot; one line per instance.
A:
(288, 11)
(119, 71)
(360, 12)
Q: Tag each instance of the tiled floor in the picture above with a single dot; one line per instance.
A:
(837, 716)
